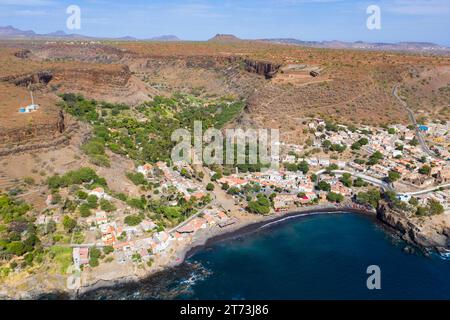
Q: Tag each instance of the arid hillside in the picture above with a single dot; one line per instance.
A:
(282, 84)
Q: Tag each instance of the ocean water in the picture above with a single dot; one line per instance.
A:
(316, 257)
(312, 257)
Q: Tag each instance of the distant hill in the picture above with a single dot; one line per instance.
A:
(9, 32)
(165, 38)
(335, 44)
(224, 38)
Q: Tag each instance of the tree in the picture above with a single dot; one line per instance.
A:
(435, 207)
(414, 142)
(94, 255)
(17, 248)
(85, 210)
(107, 206)
(375, 158)
(137, 178)
(355, 146)
(346, 180)
(326, 144)
(303, 167)
(82, 195)
(108, 249)
(426, 170)
(210, 187)
(359, 182)
(92, 201)
(323, 186)
(413, 201)
(335, 197)
(233, 190)
(262, 205)
(216, 176)
(371, 197)
(69, 223)
(133, 220)
(393, 176)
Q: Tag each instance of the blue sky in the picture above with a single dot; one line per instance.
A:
(401, 20)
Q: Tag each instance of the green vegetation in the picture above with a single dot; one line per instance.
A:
(262, 205)
(18, 235)
(433, 208)
(69, 223)
(358, 144)
(335, 197)
(371, 197)
(346, 180)
(62, 256)
(118, 129)
(425, 169)
(323, 186)
(133, 220)
(393, 176)
(137, 178)
(94, 255)
(83, 175)
(375, 158)
(301, 166)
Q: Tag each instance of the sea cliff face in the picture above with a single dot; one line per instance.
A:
(422, 233)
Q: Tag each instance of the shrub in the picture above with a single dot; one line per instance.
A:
(133, 220)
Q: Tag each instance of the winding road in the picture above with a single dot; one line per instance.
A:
(384, 185)
(413, 120)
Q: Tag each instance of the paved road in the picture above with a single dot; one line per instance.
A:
(412, 118)
(384, 185)
(416, 193)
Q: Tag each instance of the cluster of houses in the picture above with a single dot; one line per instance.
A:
(398, 154)
(438, 133)
(187, 187)
(208, 218)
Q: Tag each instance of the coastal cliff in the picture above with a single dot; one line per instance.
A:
(419, 232)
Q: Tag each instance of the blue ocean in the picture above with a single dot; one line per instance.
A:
(317, 257)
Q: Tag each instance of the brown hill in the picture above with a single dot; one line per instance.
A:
(224, 38)
(277, 81)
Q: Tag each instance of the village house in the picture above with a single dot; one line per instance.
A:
(193, 226)
(233, 181)
(148, 225)
(100, 217)
(284, 201)
(161, 241)
(80, 256)
(100, 193)
(145, 169)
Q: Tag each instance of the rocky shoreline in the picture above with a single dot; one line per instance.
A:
(423, 237)
(236, 231)
(394, 222)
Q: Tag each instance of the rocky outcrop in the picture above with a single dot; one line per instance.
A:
(24, 80)
(23, 54)
(410, 232)
(34, 134)
(267, 69)
(61, 126)
(44, 142)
